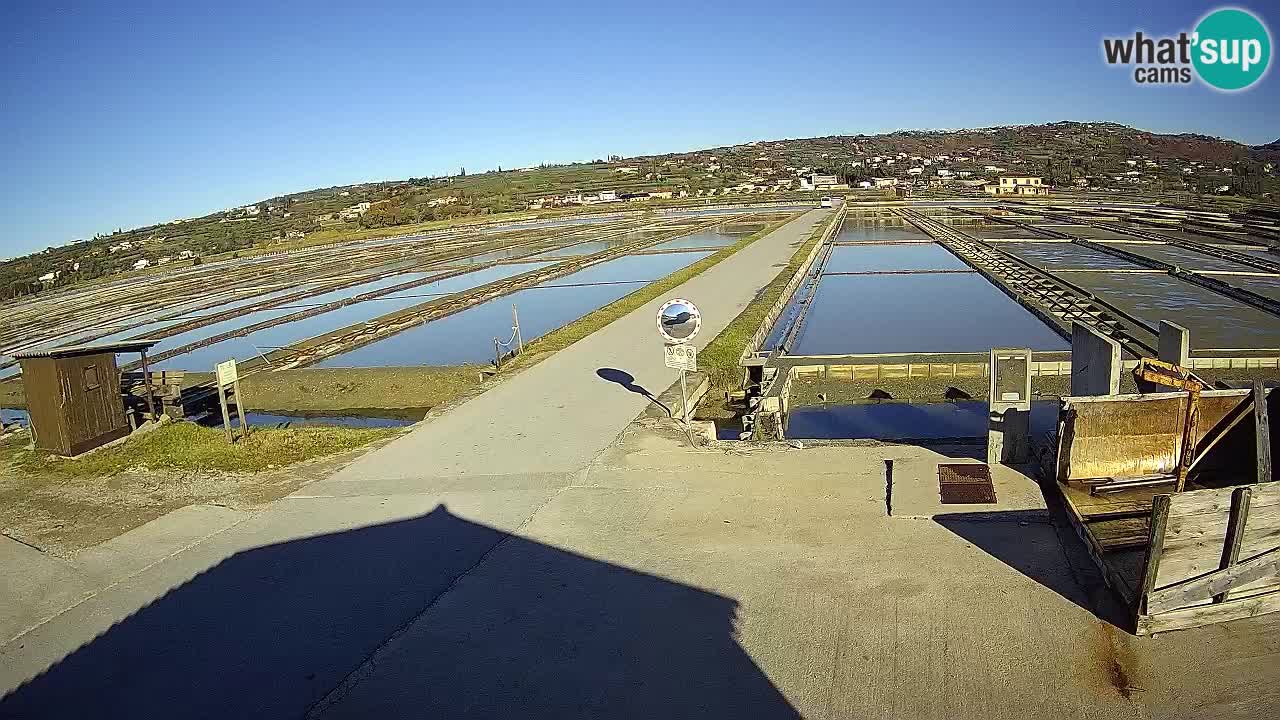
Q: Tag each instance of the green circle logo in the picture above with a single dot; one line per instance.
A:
(1232, 49)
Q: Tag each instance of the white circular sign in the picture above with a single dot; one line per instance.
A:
(679, 320)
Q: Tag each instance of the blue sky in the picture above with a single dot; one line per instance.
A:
(123, 114)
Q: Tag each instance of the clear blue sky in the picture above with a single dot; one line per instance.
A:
(126, 113)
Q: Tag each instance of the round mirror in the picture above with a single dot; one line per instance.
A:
(679, 320)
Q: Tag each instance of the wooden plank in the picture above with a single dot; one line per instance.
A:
(1209, 614)
(1126, 436)
(226, 417)
(1197, 530)
(1233, 418)
(1198, 589)
(1262, 432)
(1235, 532)
(1110, 576)
(241, 410)
(1219, 499)
(1155, 545)
(1119, 533)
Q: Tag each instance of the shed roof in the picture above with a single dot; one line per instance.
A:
(123, 346)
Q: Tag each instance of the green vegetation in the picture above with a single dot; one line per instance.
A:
(719, 359)
(593, 321)
(187, 446)
(347, 389)
(1191, 168)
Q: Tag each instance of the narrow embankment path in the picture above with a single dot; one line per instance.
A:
(557, 415)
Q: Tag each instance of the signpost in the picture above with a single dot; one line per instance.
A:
(1009, 431)
(228, 377)
(679, 322)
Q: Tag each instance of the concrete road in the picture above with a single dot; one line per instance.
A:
(233, 600)
(558, 415)
(531, 554)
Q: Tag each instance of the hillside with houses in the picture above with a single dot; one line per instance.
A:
(1064, 155)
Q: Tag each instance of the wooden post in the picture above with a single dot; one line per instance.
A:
(1155, 545)
(240, 408)
(226, 417)
(146, 380)
(1262, 431)
(1235, 532)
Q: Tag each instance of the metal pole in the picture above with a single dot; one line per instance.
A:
(497, 354)
(146, 379)
(515, 322)
(684, 394)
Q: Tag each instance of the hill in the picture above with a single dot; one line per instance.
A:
(1101, 154)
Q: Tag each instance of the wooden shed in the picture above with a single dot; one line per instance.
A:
(73, 394)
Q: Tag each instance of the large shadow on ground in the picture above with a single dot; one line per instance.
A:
(532, 631)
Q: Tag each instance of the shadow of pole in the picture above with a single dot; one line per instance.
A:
(628, 382)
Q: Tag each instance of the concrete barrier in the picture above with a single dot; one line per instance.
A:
(1095, 362)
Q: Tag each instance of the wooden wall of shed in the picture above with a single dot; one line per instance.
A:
(67, 416)
(44, 403)
(1123, 436)
(92, 413)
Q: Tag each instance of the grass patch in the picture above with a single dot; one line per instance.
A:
(596, 319)
(337, 389)
(187, 446)
(719, 359)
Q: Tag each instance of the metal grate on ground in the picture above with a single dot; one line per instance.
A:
(965, 484)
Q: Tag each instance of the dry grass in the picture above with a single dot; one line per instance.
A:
(187, 446)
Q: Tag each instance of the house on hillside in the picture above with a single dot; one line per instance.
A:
(1017, 185)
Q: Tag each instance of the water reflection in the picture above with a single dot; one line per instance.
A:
(467, 337)
(907, 421)
(1215, 321)
(1065, 255)
(917, 313)
(906, 256)
(278, 336)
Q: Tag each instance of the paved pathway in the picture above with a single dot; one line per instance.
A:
(559, 414)
(211, 612)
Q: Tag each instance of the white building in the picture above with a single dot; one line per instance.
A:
(142, 264)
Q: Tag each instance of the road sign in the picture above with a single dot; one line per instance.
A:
(679, 320)
(226, 372)
(229, 379)
(681, 357)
